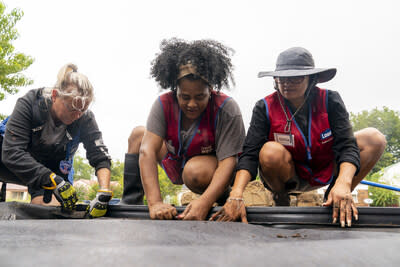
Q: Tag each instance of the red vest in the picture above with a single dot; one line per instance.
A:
(313, 157)
(201, 142)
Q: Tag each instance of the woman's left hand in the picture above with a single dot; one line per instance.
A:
(233, 210)
(197, 210)
(342, 201)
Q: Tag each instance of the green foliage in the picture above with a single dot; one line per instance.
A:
(382, 197)
(117, 171)
(11, 63)
(167, 188)
(173, 200)
(81, 193)
(93, 191)
(117, 190)
(388, 122)
(82, 169)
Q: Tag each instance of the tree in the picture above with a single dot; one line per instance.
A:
(93, 191)
(117, 171)
(11, 63)
(167, 188)
(117, 190)
(82, 170)
(81, 193)
(388, 122)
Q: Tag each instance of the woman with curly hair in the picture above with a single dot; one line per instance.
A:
(194, 131)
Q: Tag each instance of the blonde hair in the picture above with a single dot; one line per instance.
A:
(69, 76)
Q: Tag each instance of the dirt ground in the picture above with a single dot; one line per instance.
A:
(256, 194)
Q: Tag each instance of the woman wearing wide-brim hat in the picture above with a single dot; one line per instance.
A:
(300, 139)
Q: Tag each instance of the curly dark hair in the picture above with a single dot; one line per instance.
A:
(210, 58)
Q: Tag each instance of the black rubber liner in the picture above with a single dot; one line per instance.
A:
(368, 216)
(20, 211)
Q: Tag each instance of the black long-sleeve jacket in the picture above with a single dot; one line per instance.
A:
(344, 147)
(23, 152)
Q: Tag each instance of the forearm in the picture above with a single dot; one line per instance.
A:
(346, 174)
(149, 174)
(219, 181)
(241, 180)
(92, 140)
(104, 177)
(344, 144)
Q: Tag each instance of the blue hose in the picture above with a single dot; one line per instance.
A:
(380, 185)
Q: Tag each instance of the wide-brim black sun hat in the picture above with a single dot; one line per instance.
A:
(298, 61)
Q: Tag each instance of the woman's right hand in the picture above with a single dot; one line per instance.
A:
(233, 210)
(162, 211)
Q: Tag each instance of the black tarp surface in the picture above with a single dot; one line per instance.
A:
(59, 241)
(126, 242)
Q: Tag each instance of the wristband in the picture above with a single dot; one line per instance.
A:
(52, 176)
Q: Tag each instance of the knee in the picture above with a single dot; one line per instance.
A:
(371, 138)
(272, 154)
(195, 178)
(135, 139)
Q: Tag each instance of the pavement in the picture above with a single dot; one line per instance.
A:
(130, 242)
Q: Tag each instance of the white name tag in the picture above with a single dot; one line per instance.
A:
(284, 139)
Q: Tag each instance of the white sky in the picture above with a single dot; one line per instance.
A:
(113, 43)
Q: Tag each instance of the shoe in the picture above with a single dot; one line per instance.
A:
(133, 189)
(281, 198)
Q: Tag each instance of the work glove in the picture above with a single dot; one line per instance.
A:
(98, 206)
(63, 191)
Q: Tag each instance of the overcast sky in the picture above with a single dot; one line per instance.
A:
(113, 43)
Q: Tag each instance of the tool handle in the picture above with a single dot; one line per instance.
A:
(47, 196)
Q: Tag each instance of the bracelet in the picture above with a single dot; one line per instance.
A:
(240, 199)
(235, 198)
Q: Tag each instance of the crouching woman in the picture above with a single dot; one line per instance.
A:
(194, 131)
(42, 135)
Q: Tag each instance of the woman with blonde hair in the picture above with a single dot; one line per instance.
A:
(42, 135)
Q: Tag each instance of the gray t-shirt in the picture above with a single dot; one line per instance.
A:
(229, 132)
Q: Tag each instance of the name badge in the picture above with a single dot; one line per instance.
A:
(284, 139)
(326, 136)
(65, 166)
